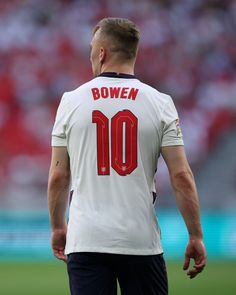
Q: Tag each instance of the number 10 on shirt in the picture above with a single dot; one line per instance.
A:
(121, 132)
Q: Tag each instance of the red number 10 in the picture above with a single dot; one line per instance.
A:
(124, 127)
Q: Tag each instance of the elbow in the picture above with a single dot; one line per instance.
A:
(58, 179)
(183, 181)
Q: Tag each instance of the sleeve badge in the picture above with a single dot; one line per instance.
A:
(178, 129)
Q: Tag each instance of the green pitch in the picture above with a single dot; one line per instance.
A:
(38, 278)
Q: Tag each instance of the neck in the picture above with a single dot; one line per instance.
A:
(118, 68)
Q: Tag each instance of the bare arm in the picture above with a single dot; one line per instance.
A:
(58, 190)
(183, 183)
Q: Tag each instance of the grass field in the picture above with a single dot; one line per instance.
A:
(38, 278)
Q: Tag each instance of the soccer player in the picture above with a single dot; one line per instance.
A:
(106, 141)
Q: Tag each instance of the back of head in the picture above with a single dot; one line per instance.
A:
(121, 35)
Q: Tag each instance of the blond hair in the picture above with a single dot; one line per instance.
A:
(122, 34)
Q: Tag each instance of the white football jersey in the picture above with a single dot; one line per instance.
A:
(114, 127)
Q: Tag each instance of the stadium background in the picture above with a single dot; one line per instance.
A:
(188, 50)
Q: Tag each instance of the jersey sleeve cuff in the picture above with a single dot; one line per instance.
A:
(58, 141)
(173, 143)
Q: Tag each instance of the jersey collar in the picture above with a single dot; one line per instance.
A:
(116, 75)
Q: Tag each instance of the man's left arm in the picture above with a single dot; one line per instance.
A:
(58, 191)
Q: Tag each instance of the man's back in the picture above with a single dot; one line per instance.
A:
(107, 136)
(114, 127)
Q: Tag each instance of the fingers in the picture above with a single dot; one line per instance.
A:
(193, 272)
(186, 263)
(195, 250)
(59, 254)
(197, 268)
(58, 244)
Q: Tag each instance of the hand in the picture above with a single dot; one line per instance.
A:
(58, 240)
(195, 250)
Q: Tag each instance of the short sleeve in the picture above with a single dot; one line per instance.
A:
(172, 134)
(59, 128)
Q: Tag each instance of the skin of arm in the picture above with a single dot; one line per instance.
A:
(58, 191)
(184, 186)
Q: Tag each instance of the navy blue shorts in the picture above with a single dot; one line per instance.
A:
(98, 273)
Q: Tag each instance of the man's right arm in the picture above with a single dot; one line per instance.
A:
(183, 183)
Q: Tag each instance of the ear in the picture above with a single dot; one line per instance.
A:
(102, 55)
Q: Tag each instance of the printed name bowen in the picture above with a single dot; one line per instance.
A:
(115, 92)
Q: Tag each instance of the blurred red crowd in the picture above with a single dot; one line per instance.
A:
(188, 50)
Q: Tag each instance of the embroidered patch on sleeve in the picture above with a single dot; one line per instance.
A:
(178, 129)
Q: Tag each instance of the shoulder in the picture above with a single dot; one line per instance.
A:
(158, 96)
(70, 95)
